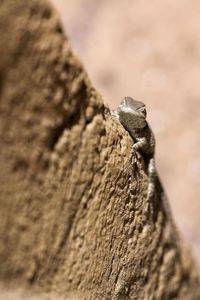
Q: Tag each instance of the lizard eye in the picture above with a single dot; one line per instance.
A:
(143, 110)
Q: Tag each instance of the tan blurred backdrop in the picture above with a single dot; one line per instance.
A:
(150, 50)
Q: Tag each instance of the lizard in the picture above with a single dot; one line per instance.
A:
(132, 115)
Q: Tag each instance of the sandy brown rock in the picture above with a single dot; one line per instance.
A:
(71, 209)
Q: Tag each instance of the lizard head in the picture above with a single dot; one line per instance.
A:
(135, 105)
(132, 113)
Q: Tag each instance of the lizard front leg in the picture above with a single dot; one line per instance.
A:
(139, 145)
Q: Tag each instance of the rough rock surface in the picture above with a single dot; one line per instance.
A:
(71, 207)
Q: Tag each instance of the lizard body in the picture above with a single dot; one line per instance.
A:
(132, 115)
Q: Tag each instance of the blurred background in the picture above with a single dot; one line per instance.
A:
(150, 50)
